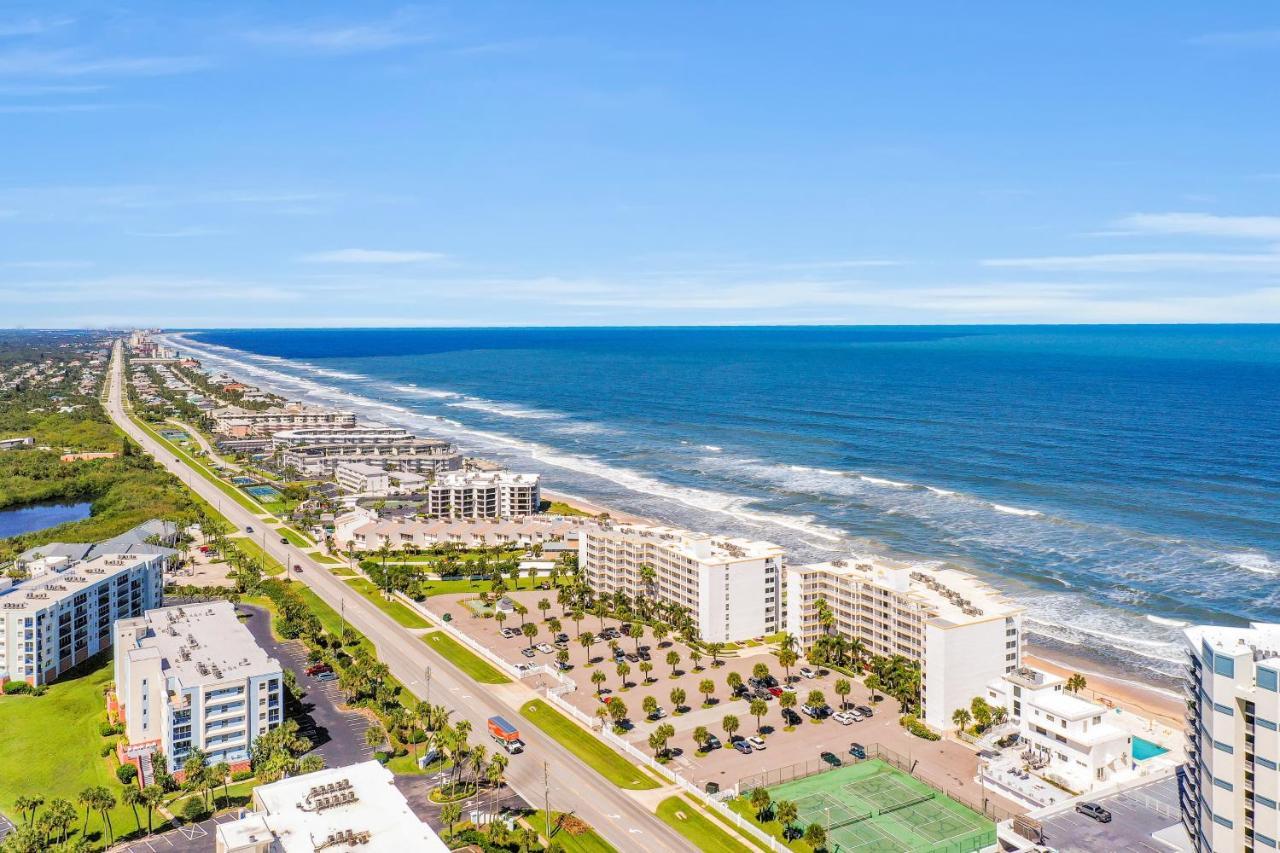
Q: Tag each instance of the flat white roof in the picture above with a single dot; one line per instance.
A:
(55, 579)
(1261, 638)
(699, 546)
(466, 479)
(205, 644)
(300, 813)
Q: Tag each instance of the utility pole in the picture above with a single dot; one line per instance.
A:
(342, 611)
(427, 695)
(546, 800)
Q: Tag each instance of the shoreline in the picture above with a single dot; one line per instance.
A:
(1110, 688)
(592, 508)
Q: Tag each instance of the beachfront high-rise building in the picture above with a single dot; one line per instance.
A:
(238, 422)
(61, 614)
(731, 587)
(483, 494)
(963, 633)
(416, 455)
(191, 677)
(1230, 786)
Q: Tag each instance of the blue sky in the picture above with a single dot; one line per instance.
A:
(331, 164)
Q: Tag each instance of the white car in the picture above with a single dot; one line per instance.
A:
(807, 672)
(545, 648)
(842, 718)
(756, 742)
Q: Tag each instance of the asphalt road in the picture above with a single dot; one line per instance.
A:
(621, 819)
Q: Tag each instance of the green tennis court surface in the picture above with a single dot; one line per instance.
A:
(869, 807)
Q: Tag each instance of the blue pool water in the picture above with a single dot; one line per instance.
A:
(1143, 749)
(1119, 481)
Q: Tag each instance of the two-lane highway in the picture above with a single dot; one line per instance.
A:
(574, 787)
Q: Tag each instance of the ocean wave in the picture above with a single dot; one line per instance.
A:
(1013, 510)
(506, 410)
(429, 393)
(1251, 561)
(880, 481)
(1168, 623)
(712, 448)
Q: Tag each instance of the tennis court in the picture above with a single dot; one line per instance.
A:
(869, 807)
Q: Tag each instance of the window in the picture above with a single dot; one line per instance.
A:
(1264, 801)
(1265, 762)
(1266, 724)
(1225, 666)
(1223, 747)
(1224, 709)
(1267, 679)
(1226, 786)
(1222, 821)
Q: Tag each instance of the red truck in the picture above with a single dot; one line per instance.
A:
(505, 735)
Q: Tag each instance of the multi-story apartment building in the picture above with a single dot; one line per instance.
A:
(364, 434)
(338, 809)
(62, 613)
(731, 587)
(963, 633)
(190, 677)
(362, 530)
(375, 480)
(427, 456)
(238, 422)
(1230, 786)
(483, 494)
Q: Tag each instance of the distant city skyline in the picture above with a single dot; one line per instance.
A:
(493, 164)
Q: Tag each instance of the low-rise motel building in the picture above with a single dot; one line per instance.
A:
(963, 633)
(61, 614)
(192, 677)
(732, 588)
(339, 809)
(1229, 787)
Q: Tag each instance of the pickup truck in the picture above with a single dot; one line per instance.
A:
(505, 735)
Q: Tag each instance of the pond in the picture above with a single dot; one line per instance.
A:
(29, 517)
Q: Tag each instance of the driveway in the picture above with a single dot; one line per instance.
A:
(1135, 815)
(192, 838)
(417, 788)
(338, 735)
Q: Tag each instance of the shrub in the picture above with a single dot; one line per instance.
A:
(107, 749)
(917, 728)
(15, 687)
(108, 729)
(193, 810)
(126, 773)
(39, 690)
(241, 775)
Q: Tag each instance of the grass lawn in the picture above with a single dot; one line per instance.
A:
(581, 743)
(586, 842)
(464, 659)
(238, 795)
(397, 611)
(705, 834)
(562, 508)
(223, 486)
(50, 745)
(750, 839)
(342, 572)
(295, 539)
(326, 559)
(252, 550)
(451, 586)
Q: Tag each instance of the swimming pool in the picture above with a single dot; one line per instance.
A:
(1144, 749)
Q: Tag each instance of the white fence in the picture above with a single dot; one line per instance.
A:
(555, 693)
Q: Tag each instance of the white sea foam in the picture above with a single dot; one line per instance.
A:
(712, 448)
(880, 481)
(506, 410)
(1251, 561)
(1169, 623)
(1013, 510)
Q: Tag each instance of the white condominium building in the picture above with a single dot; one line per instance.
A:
(62, 614)
(483, 494)
(365, 433)
(1230, 786)
(1065, 737)
(338, 809)
(963, 633)
(236, 420)
(362, 530)
(415, 455)
(192, 677)
(731, 587)
(377, 481)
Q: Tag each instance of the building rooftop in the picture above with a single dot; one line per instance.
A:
(1263, 638)
(339, 809)
(133, 541)
(1066, 705)
(950, 595)
(362, 468)
(56, 577)
(204, 644)
(698, 546)
(463, 479)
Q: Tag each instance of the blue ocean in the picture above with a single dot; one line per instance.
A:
(1121, 481)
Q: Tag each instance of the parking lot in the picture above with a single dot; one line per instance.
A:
(193, 838)
(1135, 815)
(947, 764)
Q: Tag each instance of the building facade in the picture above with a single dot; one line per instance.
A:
(364, 434)
(191, 677)
(961, 632)
(425, 456)
(483, 494)
(62, 614)
(731, 587)
(375, 480)
(234, 420)
(1230, 785)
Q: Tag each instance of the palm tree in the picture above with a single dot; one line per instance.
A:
(715, 649)
(624, 669)
(673, 660)
(28, 804)
(787, 658)
(760, 801)
(758, 708)
(597, 678)
(1076, 683)
(843, 688)
(152, 795)
(678, 698)
(760, 672)
(450, 814)
(530, 630)
(649, 705)
(577, 617)
(104, 802)
(786, 812)
(695, 658)
(132, 797)
(544, 605)
(729, 724)
(734, 680)
(222, 773)
(375, 736)
(786, 701)
(706, 687)
(585, 640)
(646, 667)
(701, 736)
(815, 835)
(961, 718)
(660, 632)
(873, 684)
(520, 611)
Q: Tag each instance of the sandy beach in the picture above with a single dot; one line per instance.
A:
(1112, 690)
(595, 509)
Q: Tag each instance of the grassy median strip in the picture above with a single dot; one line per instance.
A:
(687, 820)
(252, 550)
(586, 746)
(587, 841)
(223, 486)
(404, 617)
(295, 538)
(464, 659)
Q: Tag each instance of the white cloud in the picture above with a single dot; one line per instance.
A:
(372, 256)
(1204, 225)
(342, 38)
(1144, 262)
(70, 63)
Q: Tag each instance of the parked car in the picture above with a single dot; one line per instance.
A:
(810, 711)
(658, 713)
(807, 672)
(855, 715)
(832, 759)
(297, 567)
(248, 529)
(756, 741)
(284, 540)
(1094, 811)
(857, 750)
(527, 652)
(843, 718)
(633, 658)
(508, 632)
(742, 746)
(317, 668)
(775, 691)
(713, 742)
(327, 676)
(790, 717)
(763, 693)
(544, 648)
(562, 637)
(713, 787)
(564, 667)
(865, 711)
